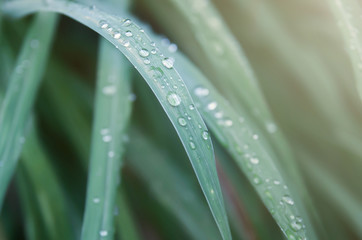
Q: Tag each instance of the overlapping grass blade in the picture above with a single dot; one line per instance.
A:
(46, 190)
(20, 94)
(247, 144)
(164, 81)
(348, 14)
(111, 117)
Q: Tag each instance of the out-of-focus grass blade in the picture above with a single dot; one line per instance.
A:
(46, 191)
(34, 225)
(338, 195)
(125, 227)
(348, 14)
(111, 117)
(165, 82)
(20, 94)
(170, 185)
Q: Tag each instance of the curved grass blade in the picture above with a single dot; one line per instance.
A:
(348, 14)
(165, 82)
(48, 194)
(247, 144)
(111, 117)
(20, 94)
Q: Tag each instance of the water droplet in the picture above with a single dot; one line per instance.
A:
(168, 62)
(126, 22)
(212, 106)
(103, 24)
(191, 107)
(173, 99)
(290, 235)
(172, 48)
(276, 182)
(126, 44)
(201, 91)
(228, 123)
(103, 233)
(96, 200)
(153, 51)
(254, 160)
(192, 145)
(287, 199)
(128, 33)
(255, 137)
(146, 61)
(212, 191)
(107, 138)
(205, 135)
(218, 115)
(144, 52)
(109, 90)
(257, 179)
(271, 127)
(132, 97)
(111, 154)
(296, 226)
(182, 121)
(116, 35)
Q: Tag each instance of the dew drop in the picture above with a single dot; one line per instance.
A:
(205, 135)
(126, 43)
(153, 51)
(173, 99)
(116, 35)
(172, 48)
(276, 182)
(146, 61)
(212, 106)
(212, 191)
(182, 121)
(218, 115)
(103, 233)
(191, 107)
(128, 34)
(254, 160)
(111, 154)
(255, 137)
(144, 52)
(96, 200)
(109, 90)
(296, 226)
(168, 62)
(256, 180)
(107, 138)
(103, 24)
(287, 199)
(271, 127)
(201, 91)
(228, 123)
(192, 145)
(126, 22)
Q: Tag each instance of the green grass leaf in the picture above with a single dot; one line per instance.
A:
(348, 14)
(111, 117)
(164, 81)
(20, 94)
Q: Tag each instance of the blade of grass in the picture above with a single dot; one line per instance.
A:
(244, 140)
(163, 79)
(20, 94)
(348, 14)
(111, 117)
(46, 189)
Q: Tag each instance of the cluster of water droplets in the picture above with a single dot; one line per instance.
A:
(251, 161)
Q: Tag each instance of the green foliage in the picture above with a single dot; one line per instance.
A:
(284, 160)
